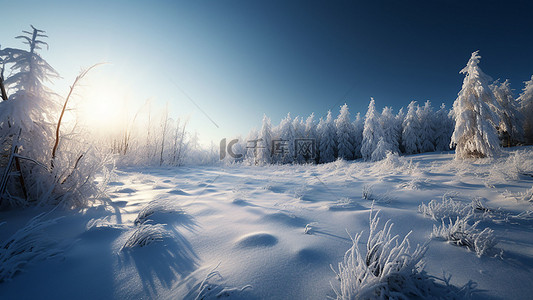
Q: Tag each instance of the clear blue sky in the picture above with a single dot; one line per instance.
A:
(240, 59)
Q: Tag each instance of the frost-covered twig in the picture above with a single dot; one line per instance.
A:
(78, 78)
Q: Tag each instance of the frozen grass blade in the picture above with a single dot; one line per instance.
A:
(460, 233)
(27, 245)
(144, 235)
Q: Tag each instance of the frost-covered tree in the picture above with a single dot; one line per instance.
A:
(372, 131)
(311, 133)
(443, 129)
(251, 155)
(265, 134)
(391, 129)
(399, 121)
(475, 134)
(410, 130)
(299, 127)
(381, 151)
(358, 126)
(287, 135)
(427, 130)
(54, 171)
(31, 107)
(310, 127)
(344, 134)
(526, 107)
(511, 128)
(327, 136)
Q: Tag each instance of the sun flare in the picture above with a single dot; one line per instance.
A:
(102, 105)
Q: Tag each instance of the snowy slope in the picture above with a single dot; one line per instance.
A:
(239, 231)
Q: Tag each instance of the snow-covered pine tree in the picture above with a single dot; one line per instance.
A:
(510, 129)
(299, 132)
(264, 151)
(310, 127)
(319, 129)
(410, 130)
(345, 132)
(311, 133)
(327, 134)
(358, 126)
(372, 131)
(399, 121)
(287, 135)
(443, 130)
(475, 134)
(427, 131)
(251, 155)
(299, 127)
(526, 107)
(391, 130)
(31, 107)
(382, 149)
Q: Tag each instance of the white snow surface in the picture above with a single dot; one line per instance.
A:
(272, 232)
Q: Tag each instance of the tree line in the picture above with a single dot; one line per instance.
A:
(484, 117)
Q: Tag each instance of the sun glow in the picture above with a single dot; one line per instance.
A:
(102, 105)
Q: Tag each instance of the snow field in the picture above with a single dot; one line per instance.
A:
(240, 231)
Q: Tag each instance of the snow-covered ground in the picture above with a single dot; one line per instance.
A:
(277, 231)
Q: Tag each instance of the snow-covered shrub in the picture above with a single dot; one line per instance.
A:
(367, 192)
(80, 179)
(396, 163)
(389, 269)
(145, 234)
(446, 208)
(27, 245)
(345, 203)
(520, 196)
(510, 168)
(415, 184)
(528, 195)
(461, 233)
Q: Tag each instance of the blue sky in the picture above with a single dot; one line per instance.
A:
(240, 59)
